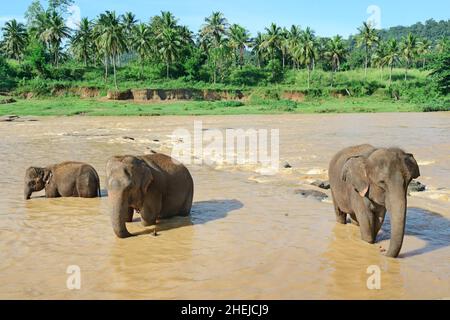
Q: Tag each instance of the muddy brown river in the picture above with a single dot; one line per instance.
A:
(250, 236)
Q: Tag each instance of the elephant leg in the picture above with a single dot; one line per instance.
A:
(379, 220)
(341, 217)
(366, 219)
(51, 191)
(152, 208)
(354, 220)
(130, 215)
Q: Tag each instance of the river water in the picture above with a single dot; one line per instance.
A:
(250, 236)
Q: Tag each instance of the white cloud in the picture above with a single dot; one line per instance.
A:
(74, 18)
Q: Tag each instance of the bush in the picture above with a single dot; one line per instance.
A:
(7, 81)
(248, 76)
(229, 104)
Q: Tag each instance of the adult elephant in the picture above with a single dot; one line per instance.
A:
(155, 185)
(66, 179)
(365, 181)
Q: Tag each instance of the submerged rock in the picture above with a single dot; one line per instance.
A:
(286, 165)
(416, 186)
(128, 138)
(321, 184)
(312, 194)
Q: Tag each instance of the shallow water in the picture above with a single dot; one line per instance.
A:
(250, 236)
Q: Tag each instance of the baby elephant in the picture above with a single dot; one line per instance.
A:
(365, 181)
(67, 179)
(155, 185)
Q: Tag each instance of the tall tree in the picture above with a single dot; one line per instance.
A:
(294, 39)
(82, 41)
(392, 56)
(307, 52)
(111, 38)
(257, 48)
(273, 38)
(129, 22)
(367, 38)
(409, 51)
(14, 39)
(55, 32)
(170, 46)
(142, 43)
(211, 35)
(424, 48)
(239, 39)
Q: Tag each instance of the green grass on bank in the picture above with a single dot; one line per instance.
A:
(69, 106)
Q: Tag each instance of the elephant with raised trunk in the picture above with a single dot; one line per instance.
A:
(66, 179)
(365, 182)
(155, 185)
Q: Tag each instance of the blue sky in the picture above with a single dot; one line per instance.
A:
(326, 17)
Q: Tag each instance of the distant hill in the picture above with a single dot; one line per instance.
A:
(432, 30)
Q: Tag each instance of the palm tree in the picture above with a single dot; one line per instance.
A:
(142, 43)
(239, 39)
(367, 37)
(211, 35)
(54, 33)
(111, 38)
(215, 28)
(336, 52)
(294, 39)
(170, 47)
(306, 53)
(82, 40)
(392, 56)
(409, 51)
(423, 49)
(129, 23)
(379, 56)
(257, 48)
(284, 45)
(272, 41)
(14, 39)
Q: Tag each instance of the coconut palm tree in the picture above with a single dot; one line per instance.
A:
(294, 39)
(409, 51)
(215, 27)
(379, 55)
(257, 48)
(239, 39)
(212, 35)
(392, 56)
(14, 39)
(142, 43)
(335, 51)
(55, 32)
(170, 44)
(306, 53)
(81, 42)
(272, 41)
(367, 38)
(111, 38)
(129, 22)
(424, 48)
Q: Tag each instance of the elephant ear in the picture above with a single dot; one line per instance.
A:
(146, 176)
(412, 166)
(354, 172)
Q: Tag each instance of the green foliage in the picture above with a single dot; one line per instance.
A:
(6, 76)
(441, 72)
(248, 76)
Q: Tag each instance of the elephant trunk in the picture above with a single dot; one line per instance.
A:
(119, 216)
(396, 205)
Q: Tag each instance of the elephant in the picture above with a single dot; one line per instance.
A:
(155, 185)
(66, 179)
(365, 182)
